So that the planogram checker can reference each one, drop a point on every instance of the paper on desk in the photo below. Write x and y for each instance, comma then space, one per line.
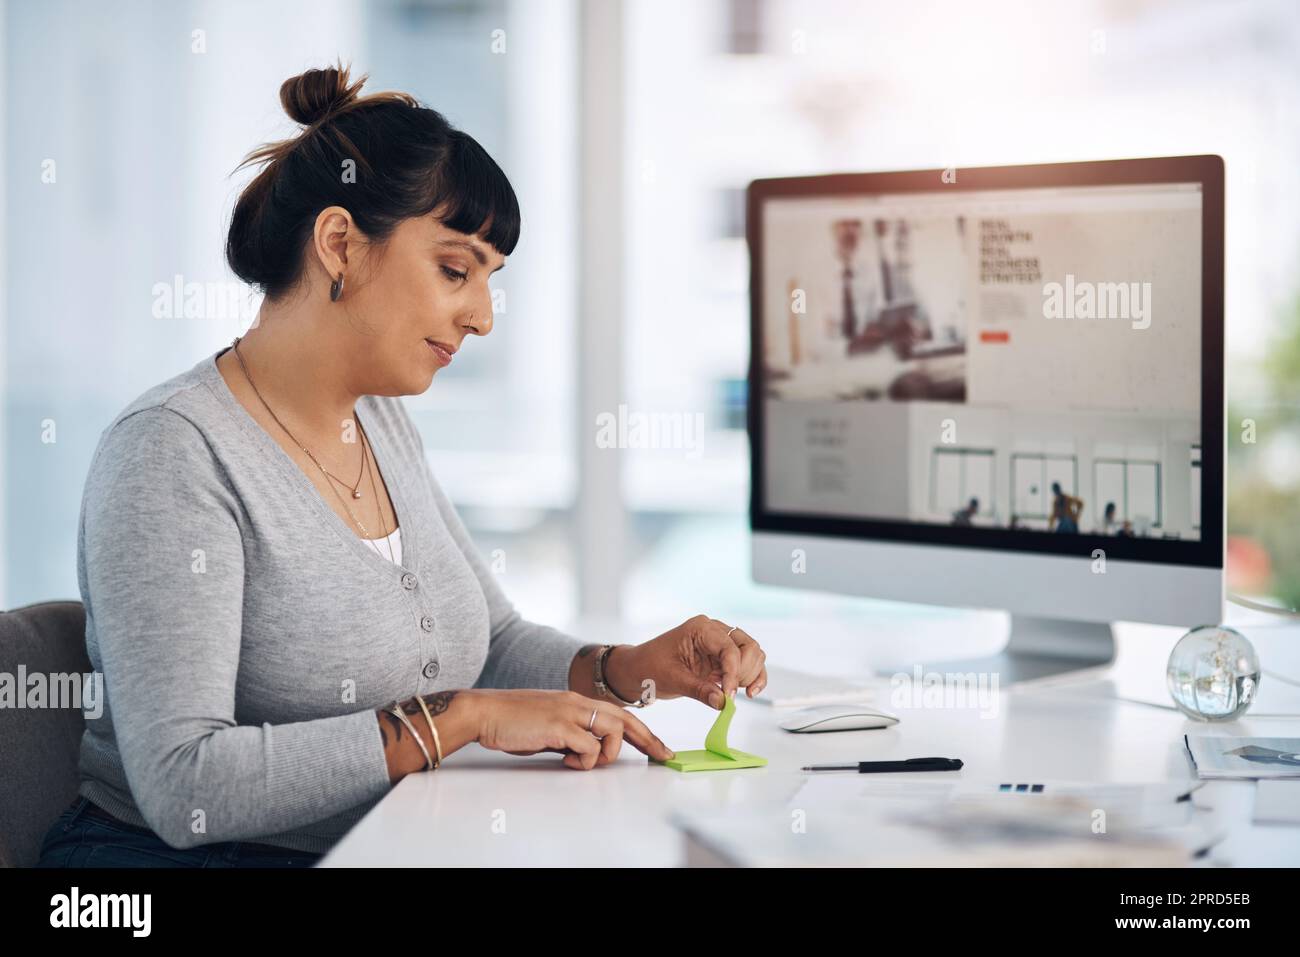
1223, 757
717, 755
895, 833
1277, 802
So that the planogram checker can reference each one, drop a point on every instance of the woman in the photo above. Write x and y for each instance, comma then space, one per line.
1109, 523
288, 612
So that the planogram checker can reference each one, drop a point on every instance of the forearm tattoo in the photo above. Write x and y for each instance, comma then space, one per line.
437, 702
386, 718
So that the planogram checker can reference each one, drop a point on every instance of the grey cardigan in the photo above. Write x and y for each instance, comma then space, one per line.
246, 634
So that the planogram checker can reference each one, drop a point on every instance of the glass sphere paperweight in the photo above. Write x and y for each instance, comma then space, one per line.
1213, 673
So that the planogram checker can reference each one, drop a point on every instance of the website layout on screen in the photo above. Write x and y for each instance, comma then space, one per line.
1026, 359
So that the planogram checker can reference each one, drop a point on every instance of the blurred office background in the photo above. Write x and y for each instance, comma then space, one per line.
630, 131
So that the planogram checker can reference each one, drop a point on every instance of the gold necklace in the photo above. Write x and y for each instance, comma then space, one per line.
355, 487
383, 521
365, 441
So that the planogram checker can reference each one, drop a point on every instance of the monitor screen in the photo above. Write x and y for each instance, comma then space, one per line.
1027, 361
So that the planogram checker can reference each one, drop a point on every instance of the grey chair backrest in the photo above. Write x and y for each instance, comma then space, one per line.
38, 746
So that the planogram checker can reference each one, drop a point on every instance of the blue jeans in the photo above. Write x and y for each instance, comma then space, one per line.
85, 835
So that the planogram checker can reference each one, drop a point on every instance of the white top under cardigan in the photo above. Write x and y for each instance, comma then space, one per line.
394, 541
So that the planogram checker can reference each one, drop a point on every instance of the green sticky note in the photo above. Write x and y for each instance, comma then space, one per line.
716, 756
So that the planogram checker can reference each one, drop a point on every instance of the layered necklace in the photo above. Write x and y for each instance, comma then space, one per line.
366, 457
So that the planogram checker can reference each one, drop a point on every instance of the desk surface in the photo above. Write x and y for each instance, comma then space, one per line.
485, 808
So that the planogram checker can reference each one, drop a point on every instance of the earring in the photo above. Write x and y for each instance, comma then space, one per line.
336, 288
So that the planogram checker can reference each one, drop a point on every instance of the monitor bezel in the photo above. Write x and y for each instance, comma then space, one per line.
1208, 551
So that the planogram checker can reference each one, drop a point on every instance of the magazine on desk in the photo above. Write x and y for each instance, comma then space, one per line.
1221, 757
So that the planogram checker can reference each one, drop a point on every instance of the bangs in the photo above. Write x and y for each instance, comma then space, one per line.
475, 192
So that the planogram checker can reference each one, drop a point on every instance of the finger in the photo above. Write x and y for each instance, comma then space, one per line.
585, 748
759, 683
728, 655
708, 691
641, 737
609, 730
752, 657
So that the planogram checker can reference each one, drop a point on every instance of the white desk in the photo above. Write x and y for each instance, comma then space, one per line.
485, 808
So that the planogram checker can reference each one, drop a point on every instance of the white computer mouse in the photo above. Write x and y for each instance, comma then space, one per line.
838, 717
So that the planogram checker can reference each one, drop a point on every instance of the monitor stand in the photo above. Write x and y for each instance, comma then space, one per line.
1039, 648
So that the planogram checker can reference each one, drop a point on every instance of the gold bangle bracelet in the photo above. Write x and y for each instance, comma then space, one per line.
396, 709
437, 744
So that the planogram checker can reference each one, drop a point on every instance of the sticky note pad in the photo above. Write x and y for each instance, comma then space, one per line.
716, 756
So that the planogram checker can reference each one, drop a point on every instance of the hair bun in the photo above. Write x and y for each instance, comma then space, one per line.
311, 96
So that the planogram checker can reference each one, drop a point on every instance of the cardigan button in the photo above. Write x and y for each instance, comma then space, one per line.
426, 623
409, 582
431, 669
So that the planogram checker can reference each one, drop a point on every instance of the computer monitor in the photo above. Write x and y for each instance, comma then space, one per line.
998, 387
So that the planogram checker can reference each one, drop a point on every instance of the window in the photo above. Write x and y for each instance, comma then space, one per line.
1032, 476
959, 475
1134, 487
499, 425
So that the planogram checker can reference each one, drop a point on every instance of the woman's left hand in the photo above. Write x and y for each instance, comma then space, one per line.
702, 658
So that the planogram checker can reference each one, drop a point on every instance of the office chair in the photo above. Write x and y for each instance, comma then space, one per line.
38, 746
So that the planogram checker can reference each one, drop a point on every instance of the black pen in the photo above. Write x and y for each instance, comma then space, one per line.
911, 764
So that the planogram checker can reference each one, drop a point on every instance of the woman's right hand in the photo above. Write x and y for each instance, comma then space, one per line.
522, 721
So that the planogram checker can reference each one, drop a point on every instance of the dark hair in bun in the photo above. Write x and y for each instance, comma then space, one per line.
312, 96
406, 161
